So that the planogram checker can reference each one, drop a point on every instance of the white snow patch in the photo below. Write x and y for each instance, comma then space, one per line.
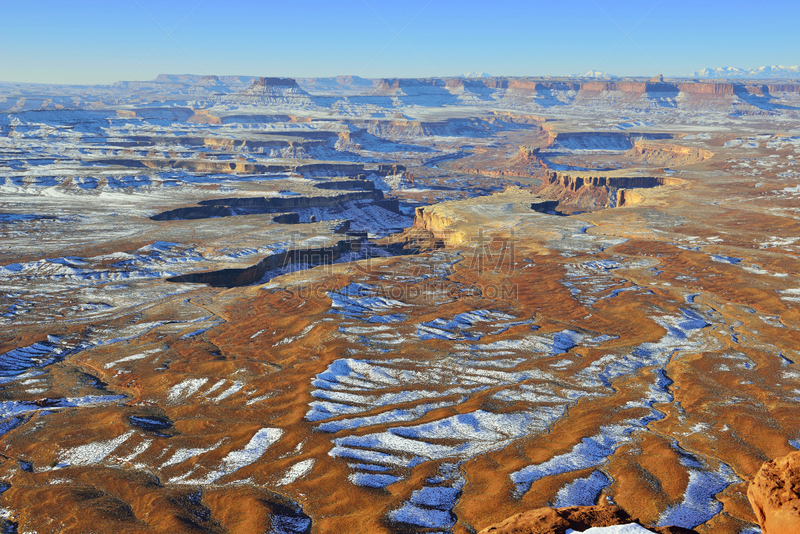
93, 453
298, 470
181, 455
185, 389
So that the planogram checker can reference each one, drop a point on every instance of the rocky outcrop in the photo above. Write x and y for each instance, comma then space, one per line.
527, 154
540, 86
388, 169
458, 221
597, 192
757, 90
577, 518
654, 86
667, 154
393, 182
574, 183
784, 88
437, 225
774, 495
272, 91
533, 87
627, 197
715, 89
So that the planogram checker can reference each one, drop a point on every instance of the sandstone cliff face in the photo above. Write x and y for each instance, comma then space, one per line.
774, 495
573, 183
528, 154
536, 86
660, 87
461, 221
627, 87
784, 88
208, 80
626, 197
757, 90
716, 89
597, 192
437, 225
667, 154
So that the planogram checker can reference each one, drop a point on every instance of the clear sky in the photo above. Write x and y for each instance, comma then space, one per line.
103, 41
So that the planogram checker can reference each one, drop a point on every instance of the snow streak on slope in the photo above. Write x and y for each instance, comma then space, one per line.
683, 333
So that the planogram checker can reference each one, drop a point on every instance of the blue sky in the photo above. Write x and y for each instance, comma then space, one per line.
92, 41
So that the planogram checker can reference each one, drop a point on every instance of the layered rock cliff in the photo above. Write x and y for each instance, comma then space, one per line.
273, 91
597, 192
438, 225
667, 154
630, 87
574, 183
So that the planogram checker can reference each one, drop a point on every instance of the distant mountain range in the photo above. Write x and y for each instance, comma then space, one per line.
774, 71
593, 74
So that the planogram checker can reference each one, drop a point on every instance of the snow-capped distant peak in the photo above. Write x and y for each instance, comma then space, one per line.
593, 74
773, 71
476, 75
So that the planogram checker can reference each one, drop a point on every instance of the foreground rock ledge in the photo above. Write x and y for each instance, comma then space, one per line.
578, 518
774, 495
